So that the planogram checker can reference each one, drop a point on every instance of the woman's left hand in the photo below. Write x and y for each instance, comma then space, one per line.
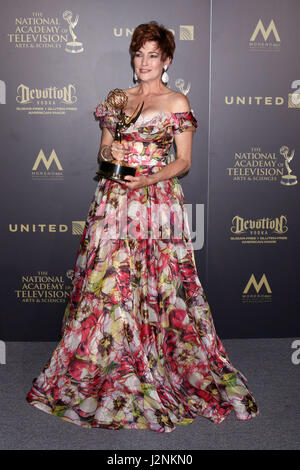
135, 182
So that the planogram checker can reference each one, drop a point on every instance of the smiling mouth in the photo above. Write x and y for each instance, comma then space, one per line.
144, 70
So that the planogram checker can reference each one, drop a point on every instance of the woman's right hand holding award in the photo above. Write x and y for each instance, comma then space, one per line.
112, 155
114, 152
119, 150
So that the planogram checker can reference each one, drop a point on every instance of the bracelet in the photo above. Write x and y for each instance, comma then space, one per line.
106, 154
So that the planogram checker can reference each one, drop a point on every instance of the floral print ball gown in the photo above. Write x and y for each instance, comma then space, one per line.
138, 347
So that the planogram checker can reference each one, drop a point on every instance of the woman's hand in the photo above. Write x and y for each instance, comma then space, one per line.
136, 182
119, 150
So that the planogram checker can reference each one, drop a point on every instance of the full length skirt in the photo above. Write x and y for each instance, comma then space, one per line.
138, 347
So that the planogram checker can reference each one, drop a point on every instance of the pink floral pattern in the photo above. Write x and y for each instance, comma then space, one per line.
138, 347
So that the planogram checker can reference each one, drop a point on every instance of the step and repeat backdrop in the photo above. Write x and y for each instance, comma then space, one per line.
238, 63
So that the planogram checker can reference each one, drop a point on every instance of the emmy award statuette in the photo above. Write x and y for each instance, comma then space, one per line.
289, 179
114, 169
73, 46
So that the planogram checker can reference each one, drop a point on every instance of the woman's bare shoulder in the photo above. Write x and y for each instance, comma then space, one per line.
179, 103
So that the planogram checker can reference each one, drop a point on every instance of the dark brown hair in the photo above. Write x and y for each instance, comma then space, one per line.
153, 32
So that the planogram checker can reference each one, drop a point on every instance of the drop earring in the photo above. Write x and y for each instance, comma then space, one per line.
165, 76
135, 77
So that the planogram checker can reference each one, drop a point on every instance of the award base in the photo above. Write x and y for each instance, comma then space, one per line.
74, 47
115, 171
289, 180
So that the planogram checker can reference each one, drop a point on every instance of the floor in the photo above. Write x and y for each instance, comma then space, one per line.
267, 363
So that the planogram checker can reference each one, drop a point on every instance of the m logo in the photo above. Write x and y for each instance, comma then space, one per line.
260, 27
2, 92
47, 163
257, 287
186, 33
78, 227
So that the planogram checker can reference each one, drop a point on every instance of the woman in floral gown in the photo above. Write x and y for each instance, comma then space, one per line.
138, 346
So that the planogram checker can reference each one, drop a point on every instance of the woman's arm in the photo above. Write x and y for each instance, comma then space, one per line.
117, 149
106, 139
184, 142
183, 160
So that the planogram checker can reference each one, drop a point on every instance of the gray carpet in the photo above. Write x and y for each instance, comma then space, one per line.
267, 364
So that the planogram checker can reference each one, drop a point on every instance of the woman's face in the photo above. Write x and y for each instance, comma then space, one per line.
148, 63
